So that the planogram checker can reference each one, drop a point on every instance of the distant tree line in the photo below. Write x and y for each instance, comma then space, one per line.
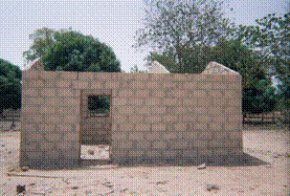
10, 86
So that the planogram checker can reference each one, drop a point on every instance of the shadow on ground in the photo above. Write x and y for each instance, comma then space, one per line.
229, 161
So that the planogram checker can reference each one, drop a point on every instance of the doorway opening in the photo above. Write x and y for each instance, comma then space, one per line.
96, 134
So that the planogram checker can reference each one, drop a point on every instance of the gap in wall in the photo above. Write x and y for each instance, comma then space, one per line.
96, 131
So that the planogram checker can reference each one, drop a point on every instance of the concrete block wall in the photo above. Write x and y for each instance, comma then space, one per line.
154, 117
51, 120
176, 117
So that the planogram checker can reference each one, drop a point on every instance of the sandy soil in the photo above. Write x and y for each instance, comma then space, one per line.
270, 177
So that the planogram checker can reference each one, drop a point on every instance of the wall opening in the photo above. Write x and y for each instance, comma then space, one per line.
98, 106
96, 134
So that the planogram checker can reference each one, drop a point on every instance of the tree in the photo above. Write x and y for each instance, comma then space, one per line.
271, 39
259, 98
69, 50
10, 86
135, 69
176, 25
42, 40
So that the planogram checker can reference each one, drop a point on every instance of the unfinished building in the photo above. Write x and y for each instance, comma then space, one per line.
151, 117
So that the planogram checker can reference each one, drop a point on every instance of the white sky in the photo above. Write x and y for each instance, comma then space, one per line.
111, 21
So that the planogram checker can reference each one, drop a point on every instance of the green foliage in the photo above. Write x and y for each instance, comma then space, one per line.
10, 86
271, 39
99, 104
42, 40
174, 26
67, 50
260, 98
135, 69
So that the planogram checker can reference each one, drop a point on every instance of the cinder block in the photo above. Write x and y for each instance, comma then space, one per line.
125, 93
143, 110
143, 127
65, 92
159, 93
232, 127
152, 136
136, 136
136, 153
80, 84
53, 137
53, 119
121, 119
118, 136
152, 102
169, 102
142, 93
87, 76
158, 127
34, 137
48, 92
34, 155
119, 154
152, 119
31, 75
166, 136
189, 101
153, 84
199, 126
97, 85
65, 75
120, 101
122, 144
189, 118
191, 153
203, 119
63, 83
190, 85
170, 154
205, 136
143, 144
130, 110
180, 127
33, 118
216, 126
159, 145
191, 136
47, 110
150, 153
71, 137
170, 118
31, 92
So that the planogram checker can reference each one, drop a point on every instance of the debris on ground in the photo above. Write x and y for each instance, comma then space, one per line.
20, 189
24, 168
201, 166
212, 187
74, 187
108, 184
161, 182
124, 190
91, 152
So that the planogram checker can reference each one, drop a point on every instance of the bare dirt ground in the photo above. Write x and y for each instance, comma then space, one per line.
271, 178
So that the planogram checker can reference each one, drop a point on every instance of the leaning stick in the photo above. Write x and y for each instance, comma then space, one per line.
35, 176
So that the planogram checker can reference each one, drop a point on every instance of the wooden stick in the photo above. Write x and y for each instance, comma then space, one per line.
35, 176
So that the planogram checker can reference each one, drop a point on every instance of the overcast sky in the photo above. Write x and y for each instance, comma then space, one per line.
111, 21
